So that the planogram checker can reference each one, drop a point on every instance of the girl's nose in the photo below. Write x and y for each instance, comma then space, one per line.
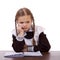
24, 24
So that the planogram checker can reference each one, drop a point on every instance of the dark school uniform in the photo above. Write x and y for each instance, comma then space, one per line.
42, 43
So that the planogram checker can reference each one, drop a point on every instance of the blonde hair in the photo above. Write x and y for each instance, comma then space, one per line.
23, 12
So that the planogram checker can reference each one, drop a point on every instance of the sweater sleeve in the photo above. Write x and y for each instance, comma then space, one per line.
17, 45
43, 43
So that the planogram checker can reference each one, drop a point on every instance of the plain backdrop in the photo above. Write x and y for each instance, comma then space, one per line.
46, 14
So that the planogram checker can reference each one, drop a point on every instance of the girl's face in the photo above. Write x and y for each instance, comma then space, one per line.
24, 22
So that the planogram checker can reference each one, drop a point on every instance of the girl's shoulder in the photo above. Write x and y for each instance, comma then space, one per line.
39, 29
13, 32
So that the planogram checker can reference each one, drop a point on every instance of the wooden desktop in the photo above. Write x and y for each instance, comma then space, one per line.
52, 55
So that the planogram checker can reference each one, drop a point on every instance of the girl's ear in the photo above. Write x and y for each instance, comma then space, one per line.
32, 22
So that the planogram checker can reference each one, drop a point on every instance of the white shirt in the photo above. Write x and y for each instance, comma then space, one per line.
38, 30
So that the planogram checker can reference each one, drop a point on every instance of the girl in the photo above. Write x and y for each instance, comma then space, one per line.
27, 36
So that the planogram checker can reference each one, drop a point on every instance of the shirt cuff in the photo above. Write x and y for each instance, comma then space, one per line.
20, 38
30, 48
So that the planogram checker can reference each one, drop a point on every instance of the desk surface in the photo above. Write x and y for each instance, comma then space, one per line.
52, 55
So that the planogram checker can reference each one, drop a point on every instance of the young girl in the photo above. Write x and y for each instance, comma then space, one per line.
26, 36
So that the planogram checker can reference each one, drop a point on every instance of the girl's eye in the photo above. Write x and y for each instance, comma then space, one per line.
21, 22
27, 22
24, 22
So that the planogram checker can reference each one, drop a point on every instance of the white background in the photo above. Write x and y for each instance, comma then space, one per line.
46, 14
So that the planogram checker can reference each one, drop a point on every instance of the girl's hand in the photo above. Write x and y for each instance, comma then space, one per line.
25, 48
20, 30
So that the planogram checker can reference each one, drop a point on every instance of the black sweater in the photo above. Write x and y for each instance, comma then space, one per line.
43, 43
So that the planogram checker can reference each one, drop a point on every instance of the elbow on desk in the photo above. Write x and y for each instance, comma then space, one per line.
45, 49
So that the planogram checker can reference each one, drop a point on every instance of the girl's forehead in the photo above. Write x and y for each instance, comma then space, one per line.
24, 18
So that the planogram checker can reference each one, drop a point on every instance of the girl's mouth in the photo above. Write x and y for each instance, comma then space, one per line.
24, 28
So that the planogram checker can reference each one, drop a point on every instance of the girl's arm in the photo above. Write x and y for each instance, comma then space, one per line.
43, 43
18, 46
